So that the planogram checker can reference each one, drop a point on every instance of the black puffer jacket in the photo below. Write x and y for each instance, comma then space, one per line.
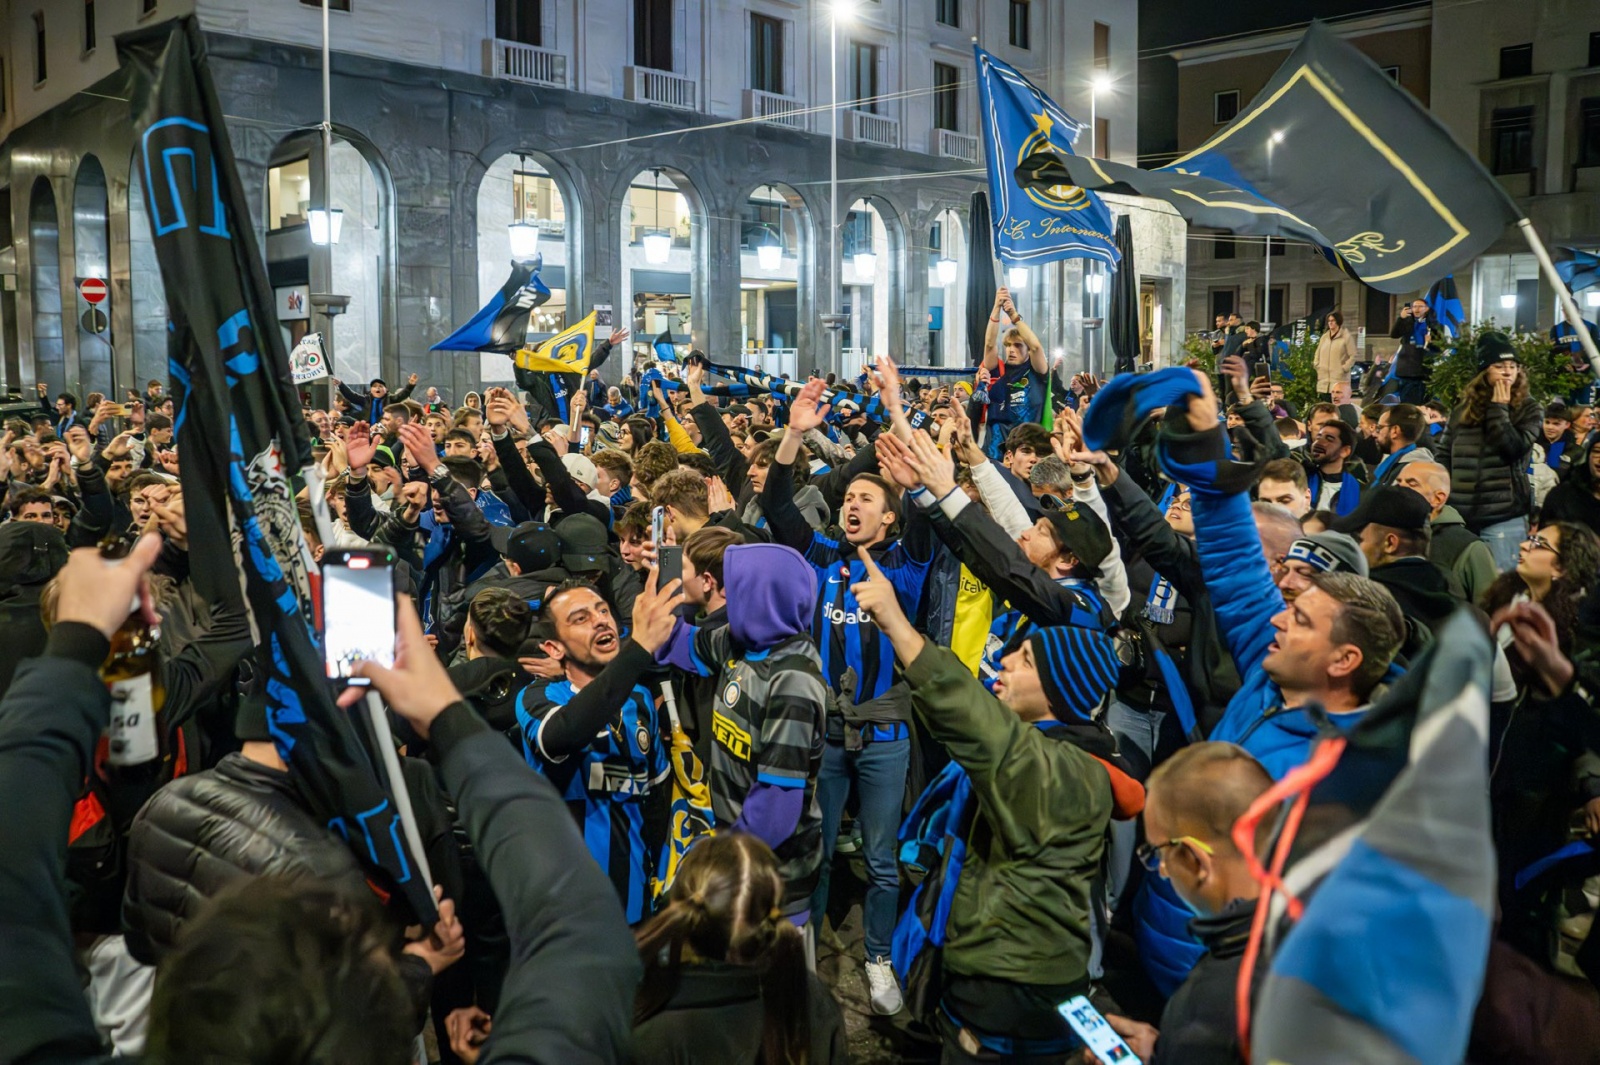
201, 833
1488, 462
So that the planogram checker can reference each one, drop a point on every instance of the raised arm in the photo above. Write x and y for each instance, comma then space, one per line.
1232, 564
562, 731
788, 525
503, 414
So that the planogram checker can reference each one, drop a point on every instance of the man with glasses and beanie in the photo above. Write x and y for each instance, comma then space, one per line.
1191, 802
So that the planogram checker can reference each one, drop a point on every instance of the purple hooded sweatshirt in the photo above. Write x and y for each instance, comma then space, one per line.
772, 593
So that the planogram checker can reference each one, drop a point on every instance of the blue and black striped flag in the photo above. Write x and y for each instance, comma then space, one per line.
1420, 207
242, 438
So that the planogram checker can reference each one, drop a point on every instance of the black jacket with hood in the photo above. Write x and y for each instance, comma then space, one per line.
1488, 462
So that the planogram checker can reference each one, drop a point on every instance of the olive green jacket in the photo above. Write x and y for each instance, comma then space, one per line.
1021, 907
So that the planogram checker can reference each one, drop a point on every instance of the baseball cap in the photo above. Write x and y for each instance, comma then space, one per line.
1328, 552
585, 547
533, 545
1387, 504
580, 467
1081, 531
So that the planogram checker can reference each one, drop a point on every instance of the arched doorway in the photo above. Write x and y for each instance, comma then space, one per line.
869, 245
661, 225
363, 344
148, 291
774, 261
947, 290
519, 188
44, 256
91, 250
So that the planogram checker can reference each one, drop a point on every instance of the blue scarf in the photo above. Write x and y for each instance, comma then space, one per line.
1349, 493
1389, 460
1552, 455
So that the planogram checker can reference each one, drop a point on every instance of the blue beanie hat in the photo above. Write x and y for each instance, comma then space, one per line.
1077, 667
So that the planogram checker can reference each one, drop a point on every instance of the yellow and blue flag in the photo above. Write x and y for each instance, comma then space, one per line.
569, 351
1035, 224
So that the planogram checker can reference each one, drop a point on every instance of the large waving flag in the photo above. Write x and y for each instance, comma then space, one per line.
1386, 962
1039, 223
502, 323
242, 437
568, 352
1403, 205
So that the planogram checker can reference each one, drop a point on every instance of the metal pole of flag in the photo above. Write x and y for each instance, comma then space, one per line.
1568, 304
384, 739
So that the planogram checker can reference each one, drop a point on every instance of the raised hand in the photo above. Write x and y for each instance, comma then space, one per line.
412, 380
935, 469
654, 611
618, 336
419, 446
876, 596
718, 497
807, 412
1238, 374
413, 498
1533, 635
1203, 411
358, 447
894, 461
417, 687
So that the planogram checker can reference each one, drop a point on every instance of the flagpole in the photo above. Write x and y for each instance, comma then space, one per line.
1568, 304
384, 739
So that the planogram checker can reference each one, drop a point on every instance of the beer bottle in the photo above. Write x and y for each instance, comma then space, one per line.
132, 673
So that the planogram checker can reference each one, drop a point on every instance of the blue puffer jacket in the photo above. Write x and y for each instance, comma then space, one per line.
1245, 601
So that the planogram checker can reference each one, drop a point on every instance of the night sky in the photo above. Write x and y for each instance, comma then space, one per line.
1170, 23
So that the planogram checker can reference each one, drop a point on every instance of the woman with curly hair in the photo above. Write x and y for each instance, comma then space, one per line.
1556, 567
725, 972
1486, 446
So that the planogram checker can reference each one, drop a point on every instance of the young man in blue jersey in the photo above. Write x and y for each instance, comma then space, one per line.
869, 740
594, 732
1017, 369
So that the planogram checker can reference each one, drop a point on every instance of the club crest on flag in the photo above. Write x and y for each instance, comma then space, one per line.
1034, 223
569, 351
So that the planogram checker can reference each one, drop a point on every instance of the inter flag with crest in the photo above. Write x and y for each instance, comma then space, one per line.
1331, 152
1034, 223
242, 438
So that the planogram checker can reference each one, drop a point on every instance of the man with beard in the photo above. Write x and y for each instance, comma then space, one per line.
594, 732
1334, 478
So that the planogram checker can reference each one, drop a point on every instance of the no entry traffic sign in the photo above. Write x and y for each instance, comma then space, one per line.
93, 290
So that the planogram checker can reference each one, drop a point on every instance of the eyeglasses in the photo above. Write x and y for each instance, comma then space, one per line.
1542, 544
1149, 854
1180, 503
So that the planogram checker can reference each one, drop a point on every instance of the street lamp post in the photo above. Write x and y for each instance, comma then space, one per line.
1101, 82
327, 301
835, 319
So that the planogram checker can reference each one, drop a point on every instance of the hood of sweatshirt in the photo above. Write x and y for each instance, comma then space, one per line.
771, 592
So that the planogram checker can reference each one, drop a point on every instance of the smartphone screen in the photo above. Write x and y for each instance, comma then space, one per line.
1096, 1034
357, 611
583, 438
658, 526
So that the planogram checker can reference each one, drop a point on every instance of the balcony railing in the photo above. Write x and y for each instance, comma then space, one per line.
952, 145
771, 107
868, 128
524, 62
660, 87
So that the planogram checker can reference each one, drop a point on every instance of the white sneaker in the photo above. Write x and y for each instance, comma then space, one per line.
882, 988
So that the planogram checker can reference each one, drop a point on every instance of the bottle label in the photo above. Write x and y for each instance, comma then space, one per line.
132, 734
